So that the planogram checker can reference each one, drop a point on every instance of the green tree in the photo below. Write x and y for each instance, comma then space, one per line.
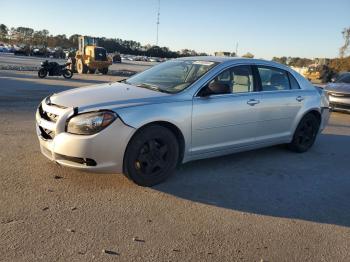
248, 55
24, 34
281, 60
3, 32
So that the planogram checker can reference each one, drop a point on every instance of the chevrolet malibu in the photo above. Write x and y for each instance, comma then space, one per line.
181, 110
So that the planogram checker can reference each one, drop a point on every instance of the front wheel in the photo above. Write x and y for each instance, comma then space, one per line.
67, 73
151, 156
305, 134
42, 73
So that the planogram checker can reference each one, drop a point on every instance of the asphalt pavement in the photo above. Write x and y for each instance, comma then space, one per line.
262, 205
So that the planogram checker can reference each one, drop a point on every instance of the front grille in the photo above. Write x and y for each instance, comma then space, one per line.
339, 94
47, 116
338, 106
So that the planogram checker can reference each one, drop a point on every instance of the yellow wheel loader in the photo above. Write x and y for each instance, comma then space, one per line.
90, 57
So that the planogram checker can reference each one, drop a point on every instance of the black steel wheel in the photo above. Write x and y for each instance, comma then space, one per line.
151, 156
305, 134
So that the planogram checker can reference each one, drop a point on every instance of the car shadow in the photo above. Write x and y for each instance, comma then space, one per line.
313, 186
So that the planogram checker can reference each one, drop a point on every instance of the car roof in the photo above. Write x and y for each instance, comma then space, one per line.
223, 59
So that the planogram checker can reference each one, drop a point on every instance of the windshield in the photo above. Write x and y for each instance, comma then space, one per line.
172, 76
345, 78
100, 54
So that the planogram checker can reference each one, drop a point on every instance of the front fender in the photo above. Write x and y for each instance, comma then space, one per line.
178, 113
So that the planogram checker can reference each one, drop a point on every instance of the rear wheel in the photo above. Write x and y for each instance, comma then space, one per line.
151, 156
305, 134
67, 73
42, 73
103, 71
92, 70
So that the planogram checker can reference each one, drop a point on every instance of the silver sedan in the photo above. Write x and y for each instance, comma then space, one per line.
178, 111
339, 93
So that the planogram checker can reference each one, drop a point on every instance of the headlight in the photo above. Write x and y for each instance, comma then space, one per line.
90, 123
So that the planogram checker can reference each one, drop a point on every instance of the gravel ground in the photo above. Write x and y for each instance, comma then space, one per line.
262, 205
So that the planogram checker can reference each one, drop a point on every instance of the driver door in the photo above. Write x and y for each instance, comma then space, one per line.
224, 121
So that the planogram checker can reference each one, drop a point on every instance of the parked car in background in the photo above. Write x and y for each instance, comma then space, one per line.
22, 51
339, 93
154, 59
116, 58
178, 111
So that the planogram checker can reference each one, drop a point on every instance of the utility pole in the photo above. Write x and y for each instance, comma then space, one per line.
158, 20
237, 49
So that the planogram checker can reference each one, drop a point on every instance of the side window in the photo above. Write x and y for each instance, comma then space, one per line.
293, 82
238, 79
273, 79
242, 77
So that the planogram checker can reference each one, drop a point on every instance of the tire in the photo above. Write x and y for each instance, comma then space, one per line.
81, 68
91, 70
305, 134
67, 74
42, 73
103, 71
151, 156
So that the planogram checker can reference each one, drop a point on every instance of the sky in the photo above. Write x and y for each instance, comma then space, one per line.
265, 28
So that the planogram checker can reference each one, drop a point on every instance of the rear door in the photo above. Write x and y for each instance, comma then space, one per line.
227, 120
280, 101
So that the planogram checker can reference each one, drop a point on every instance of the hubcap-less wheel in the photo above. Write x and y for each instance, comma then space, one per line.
151, 156
305, 134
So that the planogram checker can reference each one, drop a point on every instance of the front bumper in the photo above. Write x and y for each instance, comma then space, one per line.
101, 152
339, 102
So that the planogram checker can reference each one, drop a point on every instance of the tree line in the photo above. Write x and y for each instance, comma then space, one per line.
25, 36
338, 65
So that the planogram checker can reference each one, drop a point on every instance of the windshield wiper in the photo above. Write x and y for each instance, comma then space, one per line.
124, 81
152, 87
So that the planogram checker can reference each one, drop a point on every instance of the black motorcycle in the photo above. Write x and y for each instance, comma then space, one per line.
54, 69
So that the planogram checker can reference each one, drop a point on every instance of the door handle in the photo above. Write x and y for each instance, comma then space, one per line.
253, 102
299, 98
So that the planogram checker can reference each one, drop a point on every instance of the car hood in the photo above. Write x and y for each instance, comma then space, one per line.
113, 95
338, 88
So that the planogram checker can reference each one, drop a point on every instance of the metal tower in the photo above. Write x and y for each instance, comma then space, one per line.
158, 20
